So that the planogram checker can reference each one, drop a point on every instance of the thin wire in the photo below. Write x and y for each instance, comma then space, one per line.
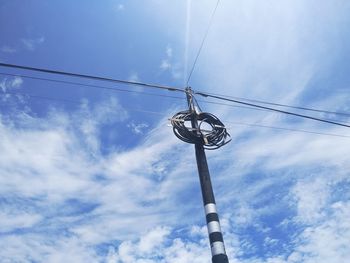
248, 108
203, 41
162, 114
273, 109
128, 91
39, 97
283, 105
286, 129
187, 39
91, 77
231, 105
90, 85
121, 90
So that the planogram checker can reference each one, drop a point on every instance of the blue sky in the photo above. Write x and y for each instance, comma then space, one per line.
98, 176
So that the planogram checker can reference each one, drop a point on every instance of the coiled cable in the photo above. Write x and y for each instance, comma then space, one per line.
211, 139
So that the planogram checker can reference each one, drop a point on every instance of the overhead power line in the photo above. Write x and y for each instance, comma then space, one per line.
133, 91
120, 90
203, 41
153, 86
283, 105
250, 108
64, 73
285, 129
150, 85
48, 98
40, 97
273, 109
90, 85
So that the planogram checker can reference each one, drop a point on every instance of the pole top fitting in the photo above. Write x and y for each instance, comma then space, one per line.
189, 90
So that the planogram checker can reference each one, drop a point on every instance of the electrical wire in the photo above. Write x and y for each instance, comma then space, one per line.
283, 105
249, 108
91, 77
231, 105
163, 87
120, 90
286, 129
273, 109
39, 97
90, 85
203, 41
150, 85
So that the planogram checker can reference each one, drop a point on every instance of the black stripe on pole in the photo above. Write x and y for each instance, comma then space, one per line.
215, 237
221, 258
212, 217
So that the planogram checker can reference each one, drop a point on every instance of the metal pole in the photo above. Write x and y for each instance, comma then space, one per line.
214, 230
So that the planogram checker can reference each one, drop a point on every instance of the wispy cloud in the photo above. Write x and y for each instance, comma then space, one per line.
8, 49
169, 52
133, 77
51, 170
49, 166
138, 128
165, 65
119, 7
32, 43
11, 84
169, 64
157, 246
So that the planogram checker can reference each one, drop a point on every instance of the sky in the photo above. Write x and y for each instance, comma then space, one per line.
94, 175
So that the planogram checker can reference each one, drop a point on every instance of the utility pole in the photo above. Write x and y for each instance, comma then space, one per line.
213, 224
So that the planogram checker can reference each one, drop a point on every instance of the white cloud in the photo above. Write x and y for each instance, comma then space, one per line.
138, 128
165, 65
8, 49
33, 247
153, 239
134, 76
90, 118
169, 52
326, 241
170, 64
311, 200
120, 7
49, 161
48, 164
10, 84
16, 82
158, 249
32, 43
12, 220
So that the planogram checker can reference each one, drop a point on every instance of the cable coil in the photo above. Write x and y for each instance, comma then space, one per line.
211, 139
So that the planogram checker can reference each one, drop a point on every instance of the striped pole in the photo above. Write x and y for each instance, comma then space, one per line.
213, 224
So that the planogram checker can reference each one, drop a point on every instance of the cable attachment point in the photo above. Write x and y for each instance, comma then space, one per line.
211, 132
